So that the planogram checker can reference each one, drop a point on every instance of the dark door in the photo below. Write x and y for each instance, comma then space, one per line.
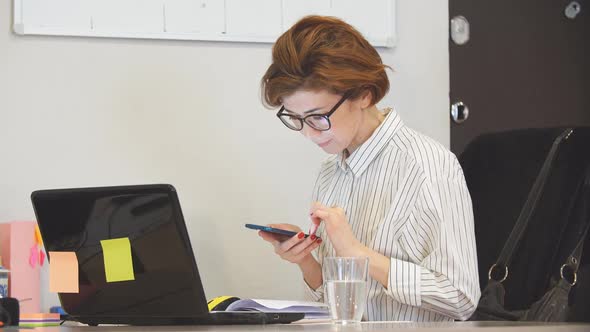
526, 64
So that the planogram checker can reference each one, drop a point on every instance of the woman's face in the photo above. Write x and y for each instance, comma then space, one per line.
344, 121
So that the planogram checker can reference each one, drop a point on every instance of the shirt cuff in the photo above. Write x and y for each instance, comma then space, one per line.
404, 281
316, 295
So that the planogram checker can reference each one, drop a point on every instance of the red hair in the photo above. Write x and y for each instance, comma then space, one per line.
323, 53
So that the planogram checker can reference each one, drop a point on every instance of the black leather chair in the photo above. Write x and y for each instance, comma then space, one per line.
500, 169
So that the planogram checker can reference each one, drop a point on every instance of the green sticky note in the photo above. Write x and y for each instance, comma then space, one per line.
118, 264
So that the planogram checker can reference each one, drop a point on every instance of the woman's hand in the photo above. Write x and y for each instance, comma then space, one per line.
346, 244
296, 249
338, 229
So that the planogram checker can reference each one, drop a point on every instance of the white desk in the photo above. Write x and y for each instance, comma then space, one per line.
366, 326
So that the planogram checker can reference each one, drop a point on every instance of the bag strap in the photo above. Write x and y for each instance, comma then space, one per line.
573, 261
511, 244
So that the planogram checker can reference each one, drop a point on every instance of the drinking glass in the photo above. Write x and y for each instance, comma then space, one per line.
345, 285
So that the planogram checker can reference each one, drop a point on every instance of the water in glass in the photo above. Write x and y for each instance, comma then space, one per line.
347, 300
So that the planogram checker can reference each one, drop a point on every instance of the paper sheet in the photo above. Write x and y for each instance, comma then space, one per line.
312, 310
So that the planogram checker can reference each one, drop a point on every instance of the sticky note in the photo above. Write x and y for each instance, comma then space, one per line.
63, 272
118, 264
38, 238
41, 257
39, 319
33, 256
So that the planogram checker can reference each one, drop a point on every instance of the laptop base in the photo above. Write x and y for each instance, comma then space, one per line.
214, 318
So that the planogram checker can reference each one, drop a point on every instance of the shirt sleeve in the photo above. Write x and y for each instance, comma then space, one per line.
438, 237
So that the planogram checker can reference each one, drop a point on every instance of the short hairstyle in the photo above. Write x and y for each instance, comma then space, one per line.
323, 53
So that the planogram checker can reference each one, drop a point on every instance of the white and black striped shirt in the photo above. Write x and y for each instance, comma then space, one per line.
405, 197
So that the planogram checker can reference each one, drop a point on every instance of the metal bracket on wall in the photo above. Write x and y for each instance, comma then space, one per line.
572, 10
459, 30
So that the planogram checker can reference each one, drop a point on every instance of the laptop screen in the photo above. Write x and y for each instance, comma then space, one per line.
165, 280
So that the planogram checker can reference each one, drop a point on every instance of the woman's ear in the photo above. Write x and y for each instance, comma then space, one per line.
366, 99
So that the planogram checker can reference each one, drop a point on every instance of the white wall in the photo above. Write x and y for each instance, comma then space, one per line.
85, 112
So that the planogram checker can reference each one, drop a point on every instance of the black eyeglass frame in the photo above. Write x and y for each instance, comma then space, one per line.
323, 115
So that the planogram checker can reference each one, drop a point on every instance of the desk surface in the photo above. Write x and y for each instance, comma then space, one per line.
365, 326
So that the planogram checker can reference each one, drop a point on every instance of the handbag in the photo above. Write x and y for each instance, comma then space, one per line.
553, 305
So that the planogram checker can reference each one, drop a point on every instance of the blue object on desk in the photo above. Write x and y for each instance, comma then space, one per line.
57, 310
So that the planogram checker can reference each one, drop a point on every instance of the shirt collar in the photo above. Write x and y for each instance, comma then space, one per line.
362, 157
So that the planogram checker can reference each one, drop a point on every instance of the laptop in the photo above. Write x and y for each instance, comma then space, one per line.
166, 289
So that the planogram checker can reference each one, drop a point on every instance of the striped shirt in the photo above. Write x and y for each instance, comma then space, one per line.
405, 197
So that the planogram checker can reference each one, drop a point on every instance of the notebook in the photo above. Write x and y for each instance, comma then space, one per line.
133, 256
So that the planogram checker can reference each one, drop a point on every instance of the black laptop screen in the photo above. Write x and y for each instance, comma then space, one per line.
166, 280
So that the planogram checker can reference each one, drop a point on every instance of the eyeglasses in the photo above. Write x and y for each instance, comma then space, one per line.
319, 122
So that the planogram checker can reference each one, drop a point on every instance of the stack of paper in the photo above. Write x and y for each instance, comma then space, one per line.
311, 309
38, 320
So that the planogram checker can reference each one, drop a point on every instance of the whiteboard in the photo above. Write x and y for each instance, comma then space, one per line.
210, 20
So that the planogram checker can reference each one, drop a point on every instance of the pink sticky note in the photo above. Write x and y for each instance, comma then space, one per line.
41, 257
33, 256
63, 272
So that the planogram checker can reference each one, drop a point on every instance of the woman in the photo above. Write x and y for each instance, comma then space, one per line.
386, 191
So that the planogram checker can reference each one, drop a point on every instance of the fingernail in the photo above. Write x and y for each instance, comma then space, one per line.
319, 240
300, 235
313, 237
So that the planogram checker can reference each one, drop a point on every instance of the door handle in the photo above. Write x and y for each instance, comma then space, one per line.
459, 112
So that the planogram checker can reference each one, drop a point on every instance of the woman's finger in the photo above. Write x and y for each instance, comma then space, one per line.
315, 224
321, 214
300, 247
288, 244
308, 250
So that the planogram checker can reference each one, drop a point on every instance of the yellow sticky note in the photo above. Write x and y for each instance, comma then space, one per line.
118, 264
38, 238
63, 272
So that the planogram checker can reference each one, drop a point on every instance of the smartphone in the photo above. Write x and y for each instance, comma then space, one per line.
272, 230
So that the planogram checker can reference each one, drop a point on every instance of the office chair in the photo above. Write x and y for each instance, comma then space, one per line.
500, 169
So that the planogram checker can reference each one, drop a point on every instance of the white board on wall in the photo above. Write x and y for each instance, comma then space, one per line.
212, 20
